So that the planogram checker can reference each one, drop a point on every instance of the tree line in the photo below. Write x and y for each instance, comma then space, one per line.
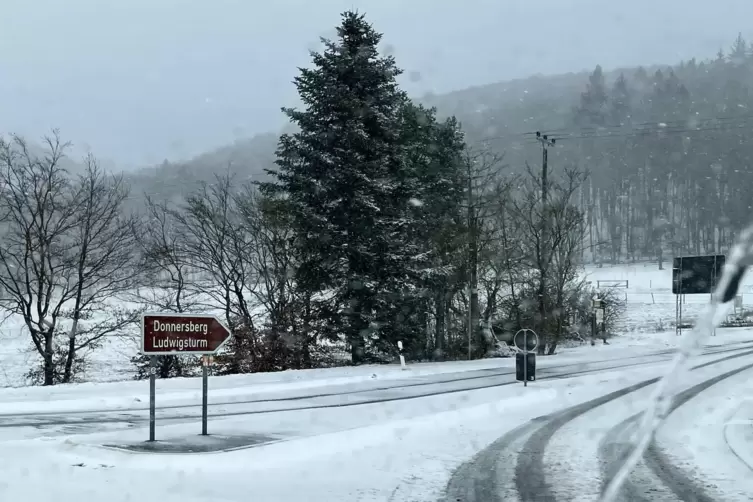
379, 224
668, 154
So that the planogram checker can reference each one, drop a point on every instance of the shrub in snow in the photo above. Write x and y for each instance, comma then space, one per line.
167, 366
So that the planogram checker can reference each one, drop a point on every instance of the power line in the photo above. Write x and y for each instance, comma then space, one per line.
660, 131
720, 123
647, 125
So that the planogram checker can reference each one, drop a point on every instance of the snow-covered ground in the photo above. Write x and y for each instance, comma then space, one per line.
395, 450
178, 391
651, 304
379, 433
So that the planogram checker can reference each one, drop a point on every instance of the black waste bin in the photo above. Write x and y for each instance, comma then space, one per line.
530, 369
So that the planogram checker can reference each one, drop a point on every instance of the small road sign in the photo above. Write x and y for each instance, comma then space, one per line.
166, 334
525, 364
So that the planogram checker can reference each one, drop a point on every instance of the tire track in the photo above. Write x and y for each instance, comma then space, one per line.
480, 478
612, 450
676, 479
127, 417
489, 373
733, 450
56, 419
616, 446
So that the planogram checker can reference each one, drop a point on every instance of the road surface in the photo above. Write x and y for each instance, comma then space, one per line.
564, 454
519, 466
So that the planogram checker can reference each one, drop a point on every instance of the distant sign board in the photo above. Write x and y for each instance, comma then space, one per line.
172, 334
693, 275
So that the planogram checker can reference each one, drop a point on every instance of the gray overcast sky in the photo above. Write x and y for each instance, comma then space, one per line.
138, 81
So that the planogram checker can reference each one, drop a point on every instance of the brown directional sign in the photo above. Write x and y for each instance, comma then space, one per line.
164, 334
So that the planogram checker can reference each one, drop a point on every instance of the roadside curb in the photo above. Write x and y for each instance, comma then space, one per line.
126, 450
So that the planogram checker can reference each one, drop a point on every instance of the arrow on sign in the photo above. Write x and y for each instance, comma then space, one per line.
165, 334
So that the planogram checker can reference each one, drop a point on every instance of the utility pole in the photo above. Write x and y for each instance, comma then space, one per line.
472, 257
546, 143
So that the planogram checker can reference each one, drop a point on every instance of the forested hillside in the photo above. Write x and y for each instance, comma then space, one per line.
668, 153
667, 148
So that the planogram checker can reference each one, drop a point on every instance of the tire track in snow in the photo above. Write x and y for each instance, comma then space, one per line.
528, 472
657, 465
80, 418
733, 450
683, 485
479, 481
613, 448
646, 359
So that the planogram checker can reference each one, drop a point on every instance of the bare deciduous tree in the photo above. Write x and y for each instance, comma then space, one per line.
107, 263
67, 252
502, 253
217, 244
568, 240
169, 275
212, 238
554, 253
267, 225
169, 283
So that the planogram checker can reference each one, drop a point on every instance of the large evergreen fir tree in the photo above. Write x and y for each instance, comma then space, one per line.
620, 105
593, 102
343, 175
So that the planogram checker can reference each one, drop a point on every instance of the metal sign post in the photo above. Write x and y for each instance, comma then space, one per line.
181, 334
152, 396
206, 361
204, 398
525, 349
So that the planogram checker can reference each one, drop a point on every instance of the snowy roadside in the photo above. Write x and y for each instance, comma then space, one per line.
398, 460
187, 391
